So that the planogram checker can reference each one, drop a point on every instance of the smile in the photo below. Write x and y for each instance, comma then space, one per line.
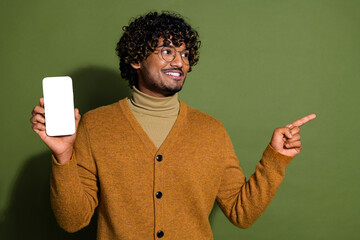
175, 74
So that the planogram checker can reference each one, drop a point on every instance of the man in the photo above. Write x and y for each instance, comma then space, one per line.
153, 165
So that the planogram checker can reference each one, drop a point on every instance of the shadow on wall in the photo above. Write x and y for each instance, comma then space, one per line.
213, 213
29, 215
95, 87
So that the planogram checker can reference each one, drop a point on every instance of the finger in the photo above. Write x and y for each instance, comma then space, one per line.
287, 132
33, 112
295, 130
77, 113
284, 132
295, 138
77, 117
296, 144
38, 127
38, 118
38, 110
41, 102
302, 121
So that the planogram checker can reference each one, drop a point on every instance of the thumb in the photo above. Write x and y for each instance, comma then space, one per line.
281, 132
287, 132
77, 117
279, 137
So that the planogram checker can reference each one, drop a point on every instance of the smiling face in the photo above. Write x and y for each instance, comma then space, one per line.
159, 78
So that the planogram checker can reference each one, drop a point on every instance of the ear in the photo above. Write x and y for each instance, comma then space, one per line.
136, 66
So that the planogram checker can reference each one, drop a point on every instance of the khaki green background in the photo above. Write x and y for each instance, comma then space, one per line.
263, 65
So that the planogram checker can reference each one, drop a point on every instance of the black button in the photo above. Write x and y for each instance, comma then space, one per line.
159, 195
159, 158
160, 234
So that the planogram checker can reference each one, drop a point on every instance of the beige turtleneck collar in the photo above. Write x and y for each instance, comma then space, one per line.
155, 115
154, 106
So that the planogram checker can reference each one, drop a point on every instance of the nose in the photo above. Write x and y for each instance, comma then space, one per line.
177, 62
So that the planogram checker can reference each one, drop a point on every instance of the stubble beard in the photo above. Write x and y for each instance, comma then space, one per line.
167, 90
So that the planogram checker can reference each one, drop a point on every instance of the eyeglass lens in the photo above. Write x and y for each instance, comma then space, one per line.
169, 54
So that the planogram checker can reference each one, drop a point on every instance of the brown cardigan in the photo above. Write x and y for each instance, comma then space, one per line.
116, 167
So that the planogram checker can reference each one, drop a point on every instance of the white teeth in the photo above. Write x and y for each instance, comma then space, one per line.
173, 74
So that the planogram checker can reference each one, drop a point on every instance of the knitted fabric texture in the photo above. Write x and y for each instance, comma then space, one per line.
116, 167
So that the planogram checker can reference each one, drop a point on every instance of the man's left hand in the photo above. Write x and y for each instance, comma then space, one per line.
286, 140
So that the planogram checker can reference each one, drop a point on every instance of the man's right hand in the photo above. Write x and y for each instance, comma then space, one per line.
61, 146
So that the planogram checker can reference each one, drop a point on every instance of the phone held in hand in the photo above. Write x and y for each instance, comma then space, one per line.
59, 106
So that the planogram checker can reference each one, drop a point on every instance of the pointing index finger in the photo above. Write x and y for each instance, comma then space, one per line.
302, 121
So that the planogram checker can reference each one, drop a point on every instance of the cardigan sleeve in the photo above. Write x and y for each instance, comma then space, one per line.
243, 201
74, 185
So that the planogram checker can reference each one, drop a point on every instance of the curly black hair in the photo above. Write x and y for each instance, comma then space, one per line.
141, 37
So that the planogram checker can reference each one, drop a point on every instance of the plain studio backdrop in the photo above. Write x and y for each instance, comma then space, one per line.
263, 64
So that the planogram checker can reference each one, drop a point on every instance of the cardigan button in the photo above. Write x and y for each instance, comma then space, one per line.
160, 234
159, 195
159, 158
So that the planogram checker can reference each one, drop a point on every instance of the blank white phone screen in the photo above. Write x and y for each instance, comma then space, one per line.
59, 106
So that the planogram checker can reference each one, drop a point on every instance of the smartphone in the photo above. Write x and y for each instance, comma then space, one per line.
59, 106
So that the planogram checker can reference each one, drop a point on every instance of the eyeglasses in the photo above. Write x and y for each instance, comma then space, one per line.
168, 53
